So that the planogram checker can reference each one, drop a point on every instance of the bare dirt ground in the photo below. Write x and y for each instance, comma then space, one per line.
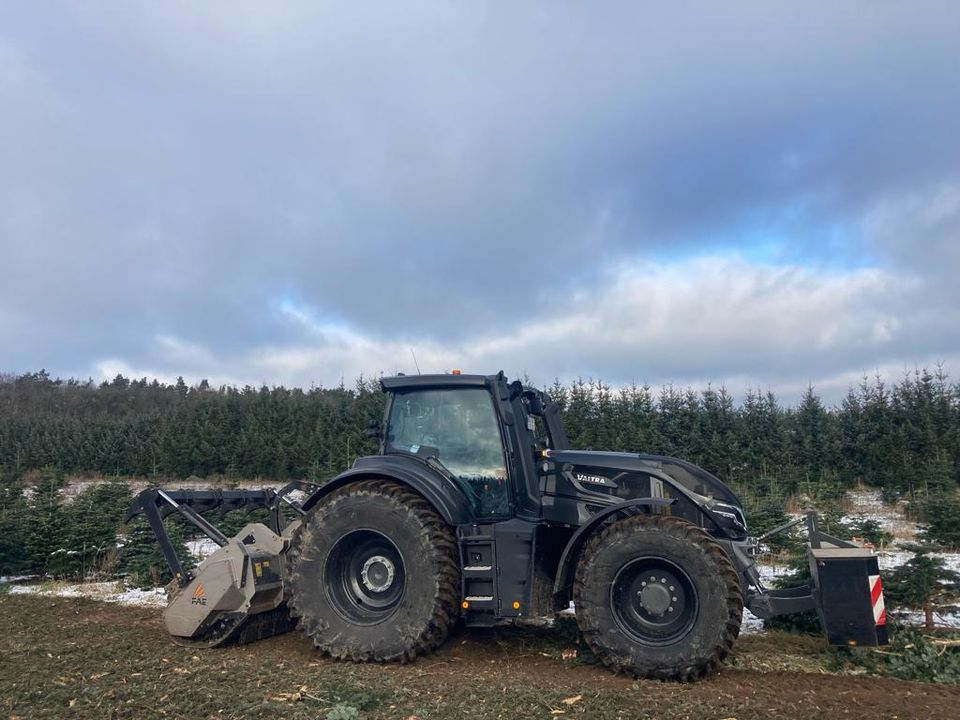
77, 658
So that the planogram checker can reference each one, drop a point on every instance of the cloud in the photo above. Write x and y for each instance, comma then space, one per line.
708, 319
759, 191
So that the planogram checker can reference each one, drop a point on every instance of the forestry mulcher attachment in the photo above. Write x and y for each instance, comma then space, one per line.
475, 508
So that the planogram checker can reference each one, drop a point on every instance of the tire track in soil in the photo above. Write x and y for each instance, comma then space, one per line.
483, 666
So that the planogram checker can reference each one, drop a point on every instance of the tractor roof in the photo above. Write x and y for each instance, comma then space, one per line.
411, 382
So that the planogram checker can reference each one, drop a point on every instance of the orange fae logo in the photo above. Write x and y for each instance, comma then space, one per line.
199, 596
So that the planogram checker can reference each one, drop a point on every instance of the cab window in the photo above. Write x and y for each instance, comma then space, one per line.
460, 427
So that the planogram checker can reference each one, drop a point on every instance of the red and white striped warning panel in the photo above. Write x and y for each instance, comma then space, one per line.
876, 599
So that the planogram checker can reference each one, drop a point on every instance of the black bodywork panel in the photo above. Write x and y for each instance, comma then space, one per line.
847, 593
438, 488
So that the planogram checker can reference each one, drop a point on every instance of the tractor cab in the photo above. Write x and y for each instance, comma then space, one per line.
504, 446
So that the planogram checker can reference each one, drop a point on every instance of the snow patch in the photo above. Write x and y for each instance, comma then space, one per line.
869, 505
892, 559
202, 547
751, 624
940, 620
105, 592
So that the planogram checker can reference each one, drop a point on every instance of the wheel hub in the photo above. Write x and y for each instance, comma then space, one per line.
655, 599
377, 573
364, 576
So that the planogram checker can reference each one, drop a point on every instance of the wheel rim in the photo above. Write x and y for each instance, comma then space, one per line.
653, 600
364, 576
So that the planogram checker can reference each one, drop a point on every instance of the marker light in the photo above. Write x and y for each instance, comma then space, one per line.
464, 604
454, 372
516, 604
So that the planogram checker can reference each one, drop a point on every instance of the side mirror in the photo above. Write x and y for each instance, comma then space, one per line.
533, 402
373, 429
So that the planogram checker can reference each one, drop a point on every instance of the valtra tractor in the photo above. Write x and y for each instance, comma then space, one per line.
476, 509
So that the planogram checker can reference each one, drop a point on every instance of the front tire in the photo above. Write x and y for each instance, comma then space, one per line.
373, 574
657, 597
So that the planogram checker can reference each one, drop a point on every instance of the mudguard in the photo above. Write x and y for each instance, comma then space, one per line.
440, 490
571, 552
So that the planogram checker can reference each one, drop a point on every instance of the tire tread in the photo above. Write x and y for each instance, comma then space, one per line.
591, 625
445, 608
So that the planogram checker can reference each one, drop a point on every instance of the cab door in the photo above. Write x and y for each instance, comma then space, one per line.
459, 426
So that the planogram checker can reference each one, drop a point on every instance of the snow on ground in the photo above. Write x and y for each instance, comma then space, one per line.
113, 592
869, 505
768, 573
890, 559
202, 547
944, 620
750, 624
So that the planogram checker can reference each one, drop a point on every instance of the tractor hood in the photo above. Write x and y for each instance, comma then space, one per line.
693, 478
627, 476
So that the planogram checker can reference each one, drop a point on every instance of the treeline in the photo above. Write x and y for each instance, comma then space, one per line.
135, 427
903, 437
41, 533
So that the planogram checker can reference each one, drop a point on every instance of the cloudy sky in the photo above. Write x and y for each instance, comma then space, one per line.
739, 193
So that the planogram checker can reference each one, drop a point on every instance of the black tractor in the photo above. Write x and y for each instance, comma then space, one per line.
476, 509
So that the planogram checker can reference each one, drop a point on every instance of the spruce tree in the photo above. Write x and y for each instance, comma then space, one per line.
46, 543
139, 560
942, 513
13, 520
924, 582
93, 521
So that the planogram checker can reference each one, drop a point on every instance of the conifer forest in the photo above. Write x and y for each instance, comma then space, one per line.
901, 435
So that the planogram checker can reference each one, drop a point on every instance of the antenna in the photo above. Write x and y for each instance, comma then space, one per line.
415, 360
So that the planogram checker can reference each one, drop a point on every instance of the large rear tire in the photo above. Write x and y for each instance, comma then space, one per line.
657, 597
373, 574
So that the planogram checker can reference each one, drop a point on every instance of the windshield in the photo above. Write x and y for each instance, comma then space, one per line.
460, 428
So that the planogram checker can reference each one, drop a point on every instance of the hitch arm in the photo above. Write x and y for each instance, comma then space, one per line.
155, 504
145, 503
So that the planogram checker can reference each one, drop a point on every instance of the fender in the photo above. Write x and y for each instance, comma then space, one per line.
441, 491
572, 550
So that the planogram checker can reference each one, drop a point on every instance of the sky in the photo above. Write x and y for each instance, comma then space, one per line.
747, 194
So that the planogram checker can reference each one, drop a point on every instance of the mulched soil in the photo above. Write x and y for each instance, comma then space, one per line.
74, 658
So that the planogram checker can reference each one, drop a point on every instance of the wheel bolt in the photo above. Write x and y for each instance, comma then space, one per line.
674, 599
671, 588
670, 609
663, 580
